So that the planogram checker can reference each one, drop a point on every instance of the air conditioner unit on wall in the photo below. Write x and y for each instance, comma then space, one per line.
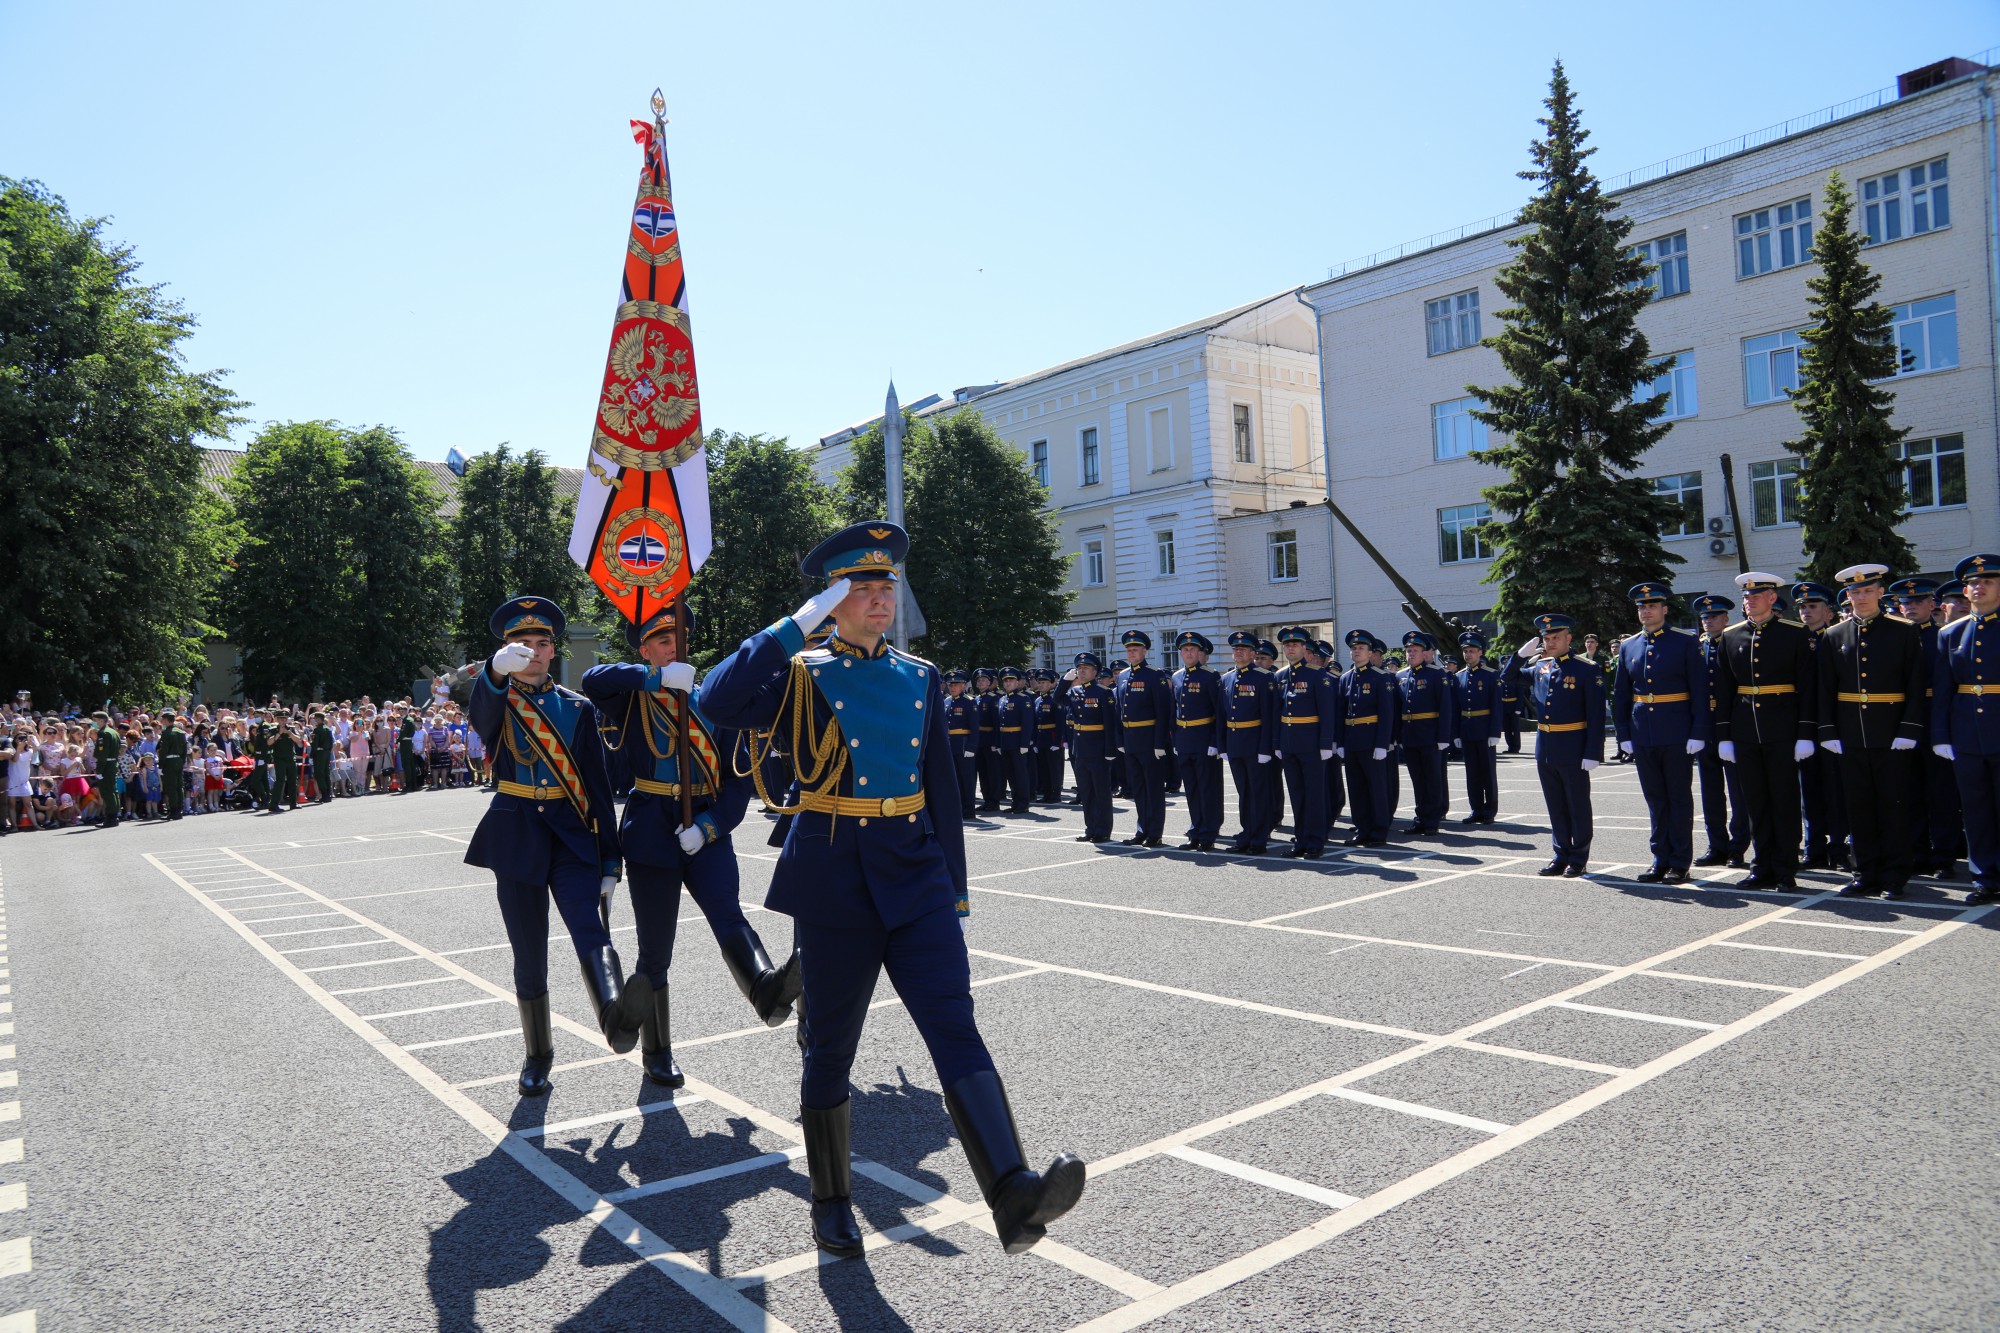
1724, 545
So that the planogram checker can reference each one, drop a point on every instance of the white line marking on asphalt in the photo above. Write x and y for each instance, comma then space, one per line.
434, 1008
1257, 1175
950, 1214
394, 985
253, 897
10, 1078
1345, 947
1541, 1057
723, 1172
10, 1110
1633, 1013
1522, 971
1849, 925
379, 962
403, 893
459, 1041
1518, 934
14, 1256
1422, 1112
316, 930
1776, 948
14, 1197
322, 948
1386, 893
673, 1103
269, 920
1720, 981
11, 1151
363, 860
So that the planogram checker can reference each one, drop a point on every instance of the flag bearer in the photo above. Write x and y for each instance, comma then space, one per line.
1659, 711
1568, 695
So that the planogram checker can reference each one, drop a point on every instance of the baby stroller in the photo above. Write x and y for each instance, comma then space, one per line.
236, 793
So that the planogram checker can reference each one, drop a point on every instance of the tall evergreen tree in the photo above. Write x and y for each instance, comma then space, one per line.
401, 576
289, 592
1574, 529
510, 536
113, 546
1851, 494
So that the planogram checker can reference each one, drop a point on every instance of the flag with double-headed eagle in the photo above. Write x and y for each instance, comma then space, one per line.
642, 526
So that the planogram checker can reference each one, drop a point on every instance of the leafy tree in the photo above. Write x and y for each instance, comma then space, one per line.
288, 590
401, 578
1851, 494
510, 536
1578, 528
113, 546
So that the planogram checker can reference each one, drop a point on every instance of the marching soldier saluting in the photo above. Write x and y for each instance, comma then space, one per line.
1367, 728
1430, 721
961, 718
1091, 717
1871, 675
1965, 716
1660, 713
1766, 715
1199, 712
875, 880
1722, 817
1568, 694
1937, 825
549, 832
1308, 733
1477, 698
1819, 776
1145, 715
1250, 698
648, 705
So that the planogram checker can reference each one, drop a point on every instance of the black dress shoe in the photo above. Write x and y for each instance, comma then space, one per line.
1136, 840
1817, 861
1083, 837
1895, 891
1253, 849
1572, 872
1674, 876
1981, 897
1373, 842
1737, 861
1415, 830
1651, 875
1552, 868
1153, 842
1190, 846
1712, 858
1856, 888
1352, 840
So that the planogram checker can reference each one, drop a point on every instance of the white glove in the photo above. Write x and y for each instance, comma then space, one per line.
1212, 752
1726, 751
1532, 648
606, 885
677, 676
1263, 758
1589, 764
1943, 752
1626, 746
1900, 743
1696, 747
1493, 742
1340, 750
814, 612
692, 838
970, 755
1444, 745
512, 657
1801, 751
1328, 754
1831, 747
964, 925
1381, 754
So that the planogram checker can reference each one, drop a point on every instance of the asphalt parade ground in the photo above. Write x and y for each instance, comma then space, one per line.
263, 1079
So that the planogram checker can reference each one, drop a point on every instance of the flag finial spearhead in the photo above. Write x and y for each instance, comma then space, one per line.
659, 105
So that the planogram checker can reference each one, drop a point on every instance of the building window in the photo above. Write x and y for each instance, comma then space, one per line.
1774, 238
1093, 562
1903, 203
1038, 459
1934, 471
1462, 534
1771, 367
1097, 646
1163, 547
1452, 322
1774, 494
1159, 439
1668, 256
1167, 637
1455, 432
1048, 653
1926, 334
1239, 415
1086, 453
1684, 488
1675, 383
1284, 549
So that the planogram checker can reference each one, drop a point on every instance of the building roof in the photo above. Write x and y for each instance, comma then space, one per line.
218, 465
1204, 325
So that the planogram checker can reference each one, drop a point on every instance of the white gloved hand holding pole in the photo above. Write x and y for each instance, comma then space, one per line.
512, 657
813, 613
692, 838
677, 676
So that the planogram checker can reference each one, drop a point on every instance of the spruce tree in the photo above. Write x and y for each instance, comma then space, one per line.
1851, 494
1573, 528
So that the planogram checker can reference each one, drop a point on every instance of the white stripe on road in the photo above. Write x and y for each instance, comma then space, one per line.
1633, 1013
1775, 948
1423, 1112
673, 1103
1256, 1175
460, 1041
722, 1172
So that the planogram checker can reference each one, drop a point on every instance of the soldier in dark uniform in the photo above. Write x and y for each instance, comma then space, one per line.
1965, 717
1199, 714
1766, 714
407, 758
1250, 741
1308, 734
320, 746
256, 744
1953, 604
961, 716
992, 767
1014, 715
1660, 713
1819, 777
1320, 653
874, 878
284, 767
1871, 674
1568, 695
1090, 716
1429, 709
1367, 729
1722, 814
1048, 736
173, 754
550, 831
1145, 717
1937, 824
1477, 699
1510, 717
104, 753
647, 707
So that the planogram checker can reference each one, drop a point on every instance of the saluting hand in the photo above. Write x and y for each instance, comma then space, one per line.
512, 657
1532, 648
818, 607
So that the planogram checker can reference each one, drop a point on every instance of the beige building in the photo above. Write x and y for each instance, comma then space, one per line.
1730, 234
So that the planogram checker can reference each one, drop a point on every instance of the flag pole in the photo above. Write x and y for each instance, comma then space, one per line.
682, 725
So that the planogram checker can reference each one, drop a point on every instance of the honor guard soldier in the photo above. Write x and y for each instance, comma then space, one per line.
1819, 777
1722, 816
653, 714
1510, 715
284, 768
105, 750
1367, 729
1660, 714
1048, 737
1268, 660
1014, 715
1477, 698
173, 754
1199, 714
550, 831
961, 724
1145, 718
873, 874
407, 758
1090, 715
1937, 825
1429, 707
992, 767
1250, 741
320, 747
1308, 734
1965, 716
1320, 653
1766, 715
1953, 604
1871, 674
1568, 696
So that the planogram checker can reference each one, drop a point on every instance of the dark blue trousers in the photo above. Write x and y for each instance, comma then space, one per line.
1723, 817
1825, 805
1020, 766
524, 906
1305, 778
927, 964
711, 880
1093, 788
1392, 786
1368, 792
1201, 781
1252, 795
1666, 779
1566, 791
1979, 797
968, 777
1146, 784
1946, 823
1482, 779
1270, 780
1335, 784
1427, 781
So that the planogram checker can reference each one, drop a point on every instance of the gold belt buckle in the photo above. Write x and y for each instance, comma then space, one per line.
1978, 690
888, 805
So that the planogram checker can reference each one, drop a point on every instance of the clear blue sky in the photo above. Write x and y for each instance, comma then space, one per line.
414, 214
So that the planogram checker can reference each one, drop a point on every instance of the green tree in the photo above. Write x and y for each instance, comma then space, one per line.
114, 546
289, 591
510, 536
401, 577
1851, 494
1574, 529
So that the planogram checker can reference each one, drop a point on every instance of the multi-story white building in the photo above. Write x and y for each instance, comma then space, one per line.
1731, 235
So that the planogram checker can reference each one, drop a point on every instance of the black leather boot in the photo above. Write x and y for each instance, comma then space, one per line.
770, 990
828, 1137
540, 1039
1023, 1202
621, 1010
656, 1041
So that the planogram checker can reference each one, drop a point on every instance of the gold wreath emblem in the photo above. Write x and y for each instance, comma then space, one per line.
616, 568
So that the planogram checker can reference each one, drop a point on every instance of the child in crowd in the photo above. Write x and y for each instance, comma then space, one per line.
149, 784
460, 775
211, 780
475, 756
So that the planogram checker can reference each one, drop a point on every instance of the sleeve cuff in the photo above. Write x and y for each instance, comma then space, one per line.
706, 823
788, 633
